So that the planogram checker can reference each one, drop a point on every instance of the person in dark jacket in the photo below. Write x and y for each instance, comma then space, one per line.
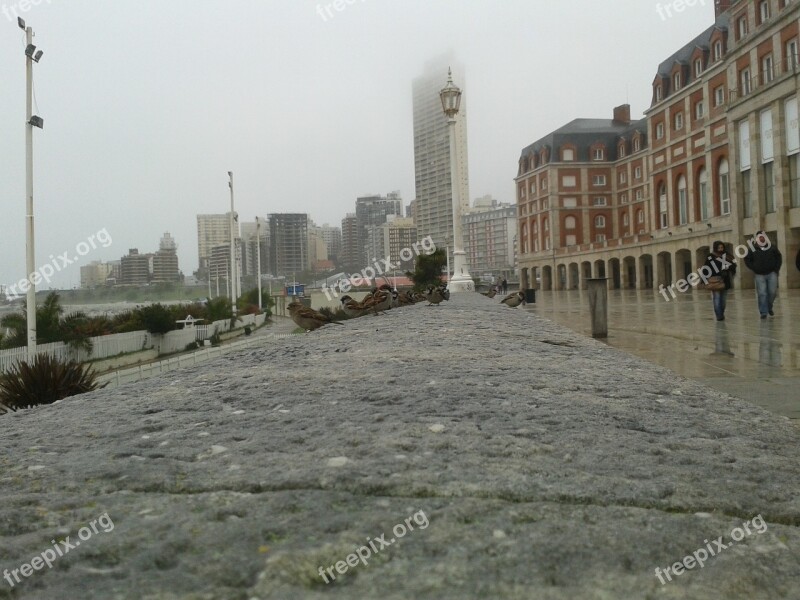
723, 264
765, 262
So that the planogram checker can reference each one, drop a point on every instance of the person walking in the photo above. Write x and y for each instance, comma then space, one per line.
765, 262
723, 265
505, 286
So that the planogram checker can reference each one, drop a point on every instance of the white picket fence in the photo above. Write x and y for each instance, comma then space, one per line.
109, 346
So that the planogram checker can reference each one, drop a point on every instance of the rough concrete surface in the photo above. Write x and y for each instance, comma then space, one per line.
542, 465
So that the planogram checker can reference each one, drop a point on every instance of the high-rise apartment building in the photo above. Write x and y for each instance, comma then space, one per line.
251, 246
333, 240
350, 260
434, 201
374, 211
490, 229
288, 244
95, 274
135, 268
213, 230
165, 261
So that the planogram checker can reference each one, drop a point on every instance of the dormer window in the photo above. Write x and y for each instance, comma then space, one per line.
676, 81
741, 26
698, 67
598, 154
717, 50
621, 150
567, 154
659, 93
636, 145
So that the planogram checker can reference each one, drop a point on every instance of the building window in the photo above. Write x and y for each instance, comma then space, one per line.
600, 221
599, 201
769, 188
679, 121
717, 51
794, 180
570, 223
640, 216
747, 194
744, 81
724, 188
567, 155
598, 180
637, 173
676, 82
791, 55
719, 96
705, 201
683, 202
699, 110
662, 206
623, 177
636, 145
741, 26
639, 195
544, 184
599, 154
658, 93
698, 67
659, 131
622, 151
626, 221
767, 71
763, 10
568, 181
601, 237
623, 198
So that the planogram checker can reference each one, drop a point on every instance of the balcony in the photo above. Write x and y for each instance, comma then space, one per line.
764, 80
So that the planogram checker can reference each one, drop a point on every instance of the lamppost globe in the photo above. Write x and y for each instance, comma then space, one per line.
461, 281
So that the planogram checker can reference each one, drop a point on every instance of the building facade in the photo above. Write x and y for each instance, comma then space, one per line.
212, 231
288, 244
490, 229
640, 203
350, 260
374, 211
165, 262
95, 274
433, 208
135, 268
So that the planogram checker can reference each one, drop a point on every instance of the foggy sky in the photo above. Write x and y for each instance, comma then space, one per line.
148, 104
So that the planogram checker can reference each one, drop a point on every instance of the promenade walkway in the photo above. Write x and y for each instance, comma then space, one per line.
756, 360
465, 451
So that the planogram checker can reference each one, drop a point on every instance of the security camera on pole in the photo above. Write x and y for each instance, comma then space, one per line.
461, 280
32, 55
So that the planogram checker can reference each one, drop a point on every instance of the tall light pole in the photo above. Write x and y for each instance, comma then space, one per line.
232, 274
258, 259
462, 280
31, 56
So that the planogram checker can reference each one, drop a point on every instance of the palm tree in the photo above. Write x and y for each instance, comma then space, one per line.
50, 326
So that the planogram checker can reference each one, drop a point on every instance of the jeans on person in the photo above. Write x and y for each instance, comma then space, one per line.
719, 299
766, 290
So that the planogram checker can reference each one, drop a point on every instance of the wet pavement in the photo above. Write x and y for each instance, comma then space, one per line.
754, 359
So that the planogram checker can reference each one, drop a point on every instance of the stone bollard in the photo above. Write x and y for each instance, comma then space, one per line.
598, 306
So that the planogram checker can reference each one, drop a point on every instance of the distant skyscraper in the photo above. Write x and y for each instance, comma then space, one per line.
165, 261
373, 211
350, 259
434, 208
288, 238
333, 240
213, 230
251, 247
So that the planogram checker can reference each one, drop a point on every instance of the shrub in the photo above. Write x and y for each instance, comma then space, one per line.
157, 319
44, 381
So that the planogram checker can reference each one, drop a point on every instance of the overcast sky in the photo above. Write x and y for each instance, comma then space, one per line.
148, 104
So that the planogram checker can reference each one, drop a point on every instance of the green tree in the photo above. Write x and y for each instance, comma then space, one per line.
428, 270
248, 303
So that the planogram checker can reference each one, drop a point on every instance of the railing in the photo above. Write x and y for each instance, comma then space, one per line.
154, 369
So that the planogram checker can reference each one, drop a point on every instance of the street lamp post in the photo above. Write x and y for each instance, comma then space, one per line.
31, 56
451, 102
232, 274
258, 259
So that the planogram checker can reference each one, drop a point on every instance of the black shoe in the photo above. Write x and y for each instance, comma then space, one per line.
720, 318
771, 314
763, 316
